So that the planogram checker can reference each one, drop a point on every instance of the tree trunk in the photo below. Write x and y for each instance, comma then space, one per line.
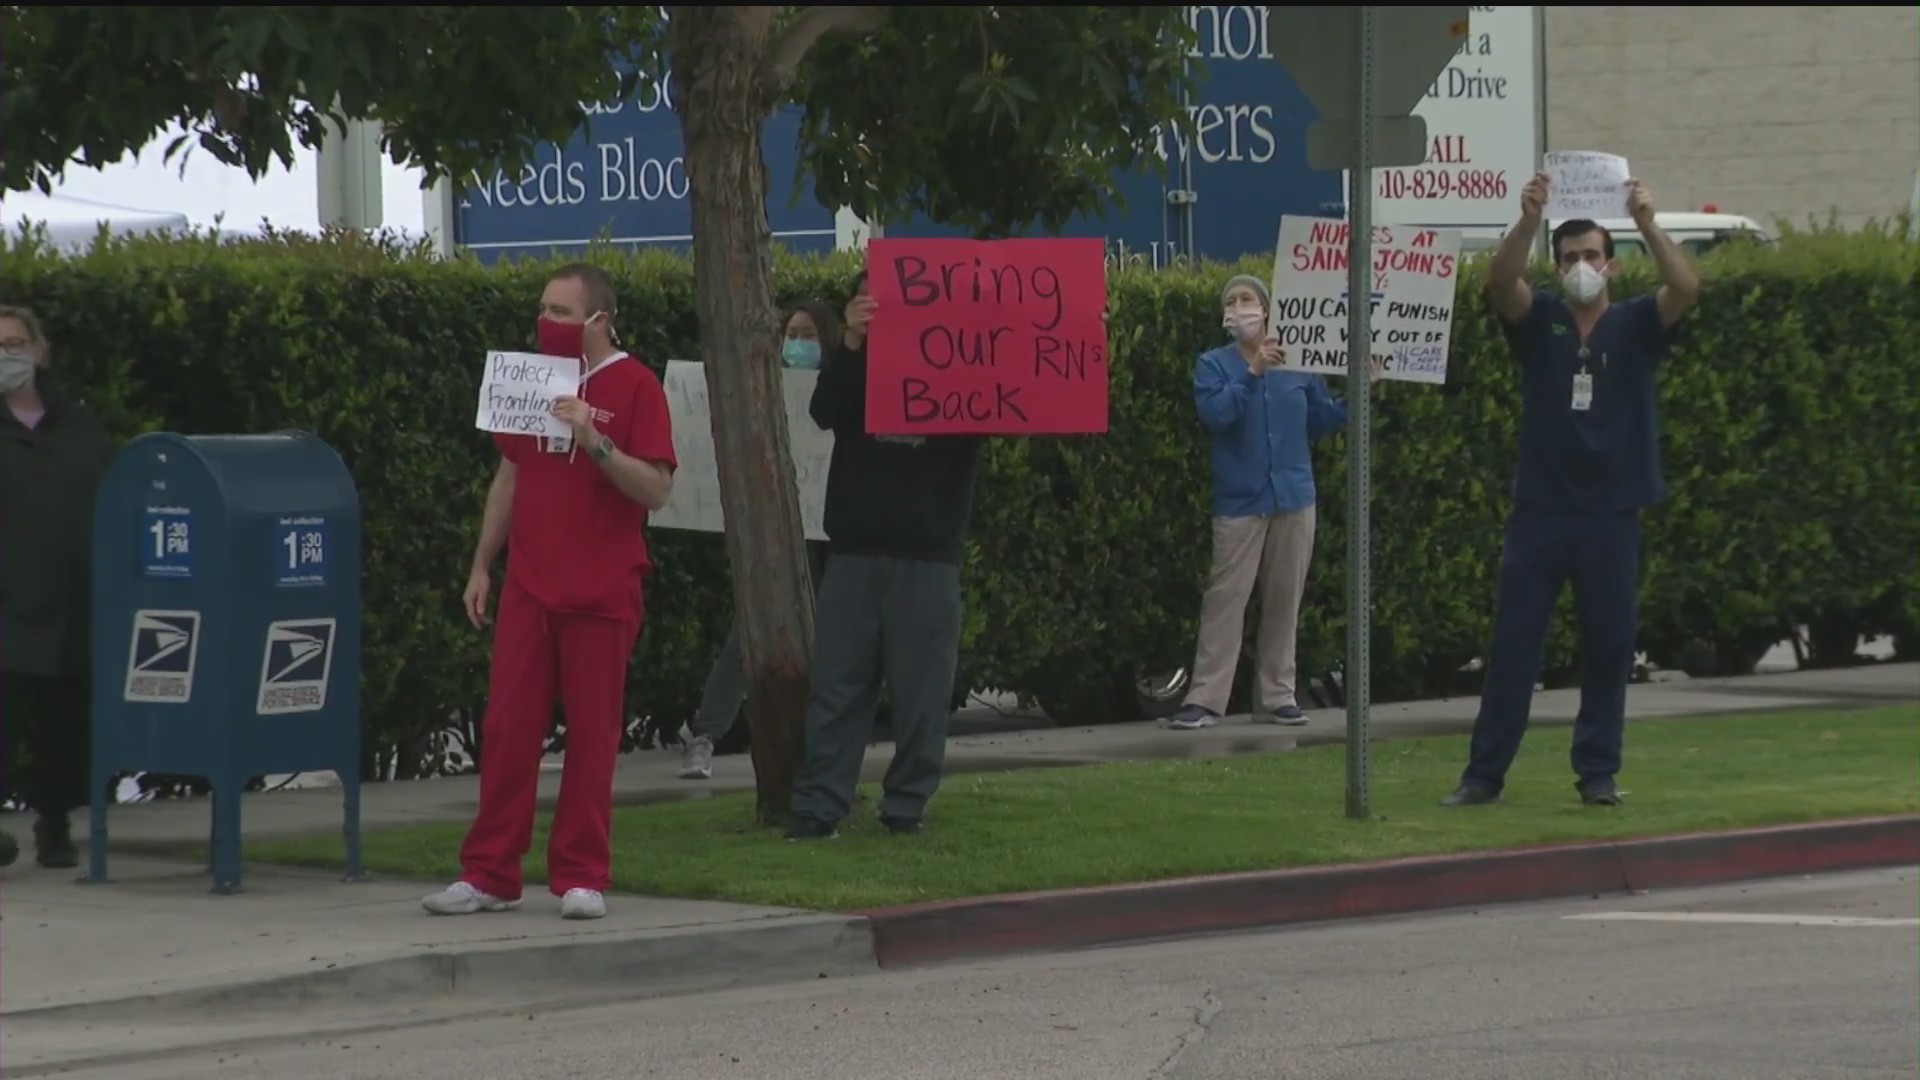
719, 56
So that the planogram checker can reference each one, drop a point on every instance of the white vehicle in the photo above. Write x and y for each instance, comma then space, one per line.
1695, 233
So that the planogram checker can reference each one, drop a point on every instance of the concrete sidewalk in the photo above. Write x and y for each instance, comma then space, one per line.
649, 776
155, 930
161, 962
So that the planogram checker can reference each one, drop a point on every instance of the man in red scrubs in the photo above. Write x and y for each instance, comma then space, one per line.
573, 511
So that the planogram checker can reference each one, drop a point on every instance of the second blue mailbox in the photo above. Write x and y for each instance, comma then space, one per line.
226, 623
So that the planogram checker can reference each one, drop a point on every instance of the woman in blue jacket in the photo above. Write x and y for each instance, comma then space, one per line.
1260, 417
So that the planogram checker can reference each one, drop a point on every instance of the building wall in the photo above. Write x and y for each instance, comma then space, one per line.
1786, 111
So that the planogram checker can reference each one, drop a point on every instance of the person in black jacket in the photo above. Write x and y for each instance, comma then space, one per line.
53, 454
897, 513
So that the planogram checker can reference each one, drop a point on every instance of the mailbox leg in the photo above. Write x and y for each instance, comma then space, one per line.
226, 837
97, 830
350, 827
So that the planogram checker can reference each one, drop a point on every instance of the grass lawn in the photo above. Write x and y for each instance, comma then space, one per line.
1053, 828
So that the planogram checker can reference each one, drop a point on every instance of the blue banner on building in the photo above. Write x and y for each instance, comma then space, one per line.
1226, 183
1220, 196
623, 177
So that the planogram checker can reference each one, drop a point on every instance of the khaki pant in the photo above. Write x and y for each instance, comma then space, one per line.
1274, 552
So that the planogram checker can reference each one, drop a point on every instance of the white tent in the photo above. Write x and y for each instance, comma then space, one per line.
72, 223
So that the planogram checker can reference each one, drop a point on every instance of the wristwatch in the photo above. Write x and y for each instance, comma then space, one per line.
603, 449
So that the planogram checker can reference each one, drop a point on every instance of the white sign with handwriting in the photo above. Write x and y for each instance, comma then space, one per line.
695, 504
1584, 184
517, 391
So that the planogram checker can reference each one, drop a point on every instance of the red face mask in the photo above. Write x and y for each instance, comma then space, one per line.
560, 339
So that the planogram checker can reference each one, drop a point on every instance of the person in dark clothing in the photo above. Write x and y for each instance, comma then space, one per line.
1589, 464
53, 454
889, 608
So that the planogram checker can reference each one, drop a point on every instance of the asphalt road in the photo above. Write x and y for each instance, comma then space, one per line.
1519, 993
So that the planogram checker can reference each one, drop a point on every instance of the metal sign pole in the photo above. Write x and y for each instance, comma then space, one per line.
1544, 248
1360, 426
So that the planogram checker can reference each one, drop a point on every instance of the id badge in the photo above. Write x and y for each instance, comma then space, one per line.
1582, 392
559, 444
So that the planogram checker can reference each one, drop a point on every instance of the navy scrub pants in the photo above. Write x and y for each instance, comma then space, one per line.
1601, 557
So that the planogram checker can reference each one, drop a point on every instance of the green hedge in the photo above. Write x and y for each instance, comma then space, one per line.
1789, 419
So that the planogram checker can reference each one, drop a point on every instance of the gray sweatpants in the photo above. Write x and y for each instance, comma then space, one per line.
876, 618
726, 688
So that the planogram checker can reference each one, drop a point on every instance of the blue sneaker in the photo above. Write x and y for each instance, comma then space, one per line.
1285, 715
1193, 718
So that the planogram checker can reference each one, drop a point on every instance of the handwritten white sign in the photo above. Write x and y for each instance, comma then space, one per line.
517, 392
1414, 273
1584, 184
695, 504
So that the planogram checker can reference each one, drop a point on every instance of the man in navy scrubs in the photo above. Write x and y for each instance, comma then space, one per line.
1589, 464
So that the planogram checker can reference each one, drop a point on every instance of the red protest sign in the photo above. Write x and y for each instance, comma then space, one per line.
987, 337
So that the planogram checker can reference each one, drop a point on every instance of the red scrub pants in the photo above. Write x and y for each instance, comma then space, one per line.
540, 656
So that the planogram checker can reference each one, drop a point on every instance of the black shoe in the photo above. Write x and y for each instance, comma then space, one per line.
9, 849
1600, 793
806, 828
1471, 795
53, 842
902, 826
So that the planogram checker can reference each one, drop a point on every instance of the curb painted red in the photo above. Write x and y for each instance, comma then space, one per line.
1075, 918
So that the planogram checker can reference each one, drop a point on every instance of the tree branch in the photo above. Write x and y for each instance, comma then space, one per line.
809, 27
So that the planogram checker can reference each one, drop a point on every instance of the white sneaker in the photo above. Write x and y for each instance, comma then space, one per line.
583, 904
699, 761
461, 898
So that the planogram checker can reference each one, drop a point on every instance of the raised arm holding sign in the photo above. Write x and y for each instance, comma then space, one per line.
975, 337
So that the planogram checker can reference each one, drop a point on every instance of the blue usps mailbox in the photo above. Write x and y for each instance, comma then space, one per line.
226, 623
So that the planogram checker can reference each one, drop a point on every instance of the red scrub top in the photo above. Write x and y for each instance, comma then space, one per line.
575, 543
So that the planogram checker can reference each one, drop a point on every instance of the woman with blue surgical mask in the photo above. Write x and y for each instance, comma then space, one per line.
809, 333
1261, 416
